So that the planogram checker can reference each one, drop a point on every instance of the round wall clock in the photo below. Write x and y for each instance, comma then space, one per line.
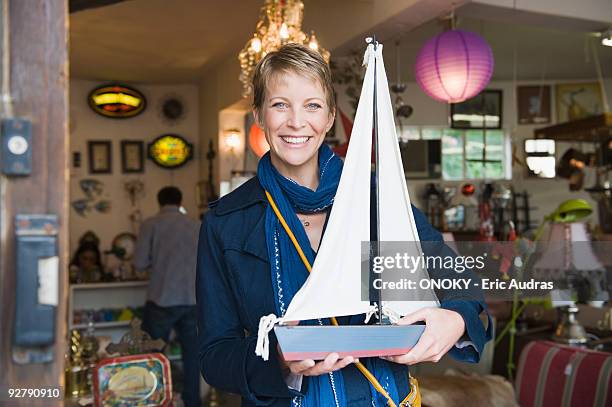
172, 109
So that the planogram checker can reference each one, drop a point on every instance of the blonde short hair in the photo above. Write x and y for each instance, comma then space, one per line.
295, 58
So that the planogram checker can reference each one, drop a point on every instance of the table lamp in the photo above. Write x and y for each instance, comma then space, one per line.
567, 212
567, 256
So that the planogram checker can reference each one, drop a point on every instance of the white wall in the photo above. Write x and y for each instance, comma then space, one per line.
219, 89
86, 125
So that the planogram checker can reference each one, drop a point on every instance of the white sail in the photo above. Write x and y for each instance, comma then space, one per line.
334, 285
396, 219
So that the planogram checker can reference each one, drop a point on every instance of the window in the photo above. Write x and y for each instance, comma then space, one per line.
541, 157
475, 154
466, 154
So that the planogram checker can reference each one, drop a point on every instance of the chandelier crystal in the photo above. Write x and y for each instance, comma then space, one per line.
280, 23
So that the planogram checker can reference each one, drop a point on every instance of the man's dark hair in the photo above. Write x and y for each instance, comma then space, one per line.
169, 196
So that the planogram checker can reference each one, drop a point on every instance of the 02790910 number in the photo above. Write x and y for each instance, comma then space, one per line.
33, 393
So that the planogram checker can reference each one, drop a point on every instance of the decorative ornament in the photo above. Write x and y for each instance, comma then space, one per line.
117, 101
468, 189
75, 371
135, 341
280, 23
257, 140
170, 151
454, 66
92, 188
135, 189
123, 246
81, 206
402, 110
172, 109
103, 206
89, 237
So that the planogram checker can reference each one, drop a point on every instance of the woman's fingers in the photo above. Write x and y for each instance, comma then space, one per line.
330, 364
325, 366
443, 329
300, 366
419, 315
421, 351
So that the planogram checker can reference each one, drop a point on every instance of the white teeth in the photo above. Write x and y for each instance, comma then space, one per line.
295, 140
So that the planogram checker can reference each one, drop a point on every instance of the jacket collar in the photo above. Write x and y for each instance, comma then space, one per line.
249, 193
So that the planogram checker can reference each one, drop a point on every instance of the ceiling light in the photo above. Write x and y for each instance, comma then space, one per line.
280, 23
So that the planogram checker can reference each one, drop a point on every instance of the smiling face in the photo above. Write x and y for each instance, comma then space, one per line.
295, 117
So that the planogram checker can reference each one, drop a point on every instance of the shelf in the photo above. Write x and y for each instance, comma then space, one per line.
590, 129
119, 284
102, 325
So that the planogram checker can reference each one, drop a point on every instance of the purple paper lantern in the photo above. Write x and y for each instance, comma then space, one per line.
454, 66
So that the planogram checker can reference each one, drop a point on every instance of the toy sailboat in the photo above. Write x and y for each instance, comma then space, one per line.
334, 286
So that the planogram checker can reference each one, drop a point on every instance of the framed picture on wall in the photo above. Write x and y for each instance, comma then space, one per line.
533, 104
100, 157
483, 111
132, 156
578, 100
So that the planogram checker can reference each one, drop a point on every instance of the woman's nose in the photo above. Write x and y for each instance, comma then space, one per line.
295, 119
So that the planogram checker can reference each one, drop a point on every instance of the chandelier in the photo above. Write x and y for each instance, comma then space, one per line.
280, 23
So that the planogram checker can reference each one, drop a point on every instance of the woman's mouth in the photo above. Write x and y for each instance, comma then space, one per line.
295, 140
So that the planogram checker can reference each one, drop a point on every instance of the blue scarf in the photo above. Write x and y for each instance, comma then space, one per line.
289, 273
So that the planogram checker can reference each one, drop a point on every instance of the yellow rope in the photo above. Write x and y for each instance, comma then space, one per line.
364, 370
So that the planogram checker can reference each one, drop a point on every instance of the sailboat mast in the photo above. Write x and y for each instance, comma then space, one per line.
377, 188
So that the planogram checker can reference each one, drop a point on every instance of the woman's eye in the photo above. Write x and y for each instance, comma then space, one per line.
313, 106
280, 105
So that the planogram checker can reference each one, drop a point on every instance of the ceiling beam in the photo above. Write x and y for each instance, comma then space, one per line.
80, 5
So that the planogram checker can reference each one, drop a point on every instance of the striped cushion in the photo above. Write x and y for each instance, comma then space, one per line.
553, 375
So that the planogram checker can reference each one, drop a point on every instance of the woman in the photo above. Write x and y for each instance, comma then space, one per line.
248, 268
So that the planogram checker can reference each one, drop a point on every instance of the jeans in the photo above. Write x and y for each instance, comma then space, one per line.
158, 322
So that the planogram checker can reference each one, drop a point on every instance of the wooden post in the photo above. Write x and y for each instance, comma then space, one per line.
38, 64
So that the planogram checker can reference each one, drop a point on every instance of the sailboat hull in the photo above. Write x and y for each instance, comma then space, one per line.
316, 342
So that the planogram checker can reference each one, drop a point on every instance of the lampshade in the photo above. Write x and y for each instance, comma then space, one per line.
568, 244
571, 210
568, 248
454, 66
257, 140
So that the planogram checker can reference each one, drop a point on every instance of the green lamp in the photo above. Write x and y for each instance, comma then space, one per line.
571, 211
569, 331
568, 211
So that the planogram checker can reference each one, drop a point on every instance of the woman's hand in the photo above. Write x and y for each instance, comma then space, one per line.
309, 367
442, 330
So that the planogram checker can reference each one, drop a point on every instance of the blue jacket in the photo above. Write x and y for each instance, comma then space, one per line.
234, 290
